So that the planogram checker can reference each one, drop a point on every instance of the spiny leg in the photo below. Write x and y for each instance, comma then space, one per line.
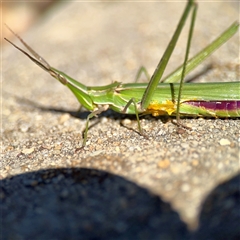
185, 63
175, 76
157, 75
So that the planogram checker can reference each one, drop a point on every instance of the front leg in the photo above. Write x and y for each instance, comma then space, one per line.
91, 115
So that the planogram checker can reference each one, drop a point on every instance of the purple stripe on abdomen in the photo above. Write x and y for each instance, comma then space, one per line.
219, 107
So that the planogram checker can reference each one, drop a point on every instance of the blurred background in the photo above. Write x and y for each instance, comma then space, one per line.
23, 14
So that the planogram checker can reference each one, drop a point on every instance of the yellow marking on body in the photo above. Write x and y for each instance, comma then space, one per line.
157, 109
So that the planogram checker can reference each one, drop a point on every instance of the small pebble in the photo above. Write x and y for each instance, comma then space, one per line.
224, 142
195, 162
185, 187
126, 121
63, 118
27, 150
164, 163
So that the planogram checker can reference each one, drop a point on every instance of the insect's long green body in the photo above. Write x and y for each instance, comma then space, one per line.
169, 98
166, 95
117, 95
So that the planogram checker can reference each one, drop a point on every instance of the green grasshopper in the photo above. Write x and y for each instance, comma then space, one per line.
158, 98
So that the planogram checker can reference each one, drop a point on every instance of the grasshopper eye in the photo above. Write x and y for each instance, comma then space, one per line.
58, 76
62, 79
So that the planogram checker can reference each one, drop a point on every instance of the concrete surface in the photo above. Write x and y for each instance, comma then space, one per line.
180, 179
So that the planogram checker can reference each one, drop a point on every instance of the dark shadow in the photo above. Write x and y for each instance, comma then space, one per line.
73, 113
83, 204
80, 203
83, 114
220, 213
